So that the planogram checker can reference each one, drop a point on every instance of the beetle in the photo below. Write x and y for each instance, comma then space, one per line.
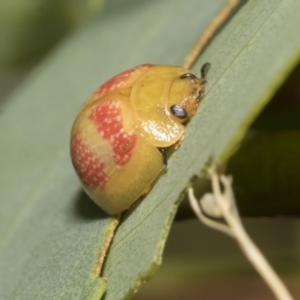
120, 135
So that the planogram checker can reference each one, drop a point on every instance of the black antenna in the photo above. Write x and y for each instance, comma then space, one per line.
204, 70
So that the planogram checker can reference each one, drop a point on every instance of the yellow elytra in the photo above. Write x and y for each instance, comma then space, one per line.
119, 136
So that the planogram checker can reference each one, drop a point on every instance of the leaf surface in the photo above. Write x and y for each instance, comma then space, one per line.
51, 234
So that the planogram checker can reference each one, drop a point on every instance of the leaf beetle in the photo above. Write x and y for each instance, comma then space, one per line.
120, 135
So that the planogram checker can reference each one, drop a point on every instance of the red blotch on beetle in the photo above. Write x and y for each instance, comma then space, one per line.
90, 168
119, 80
107, 117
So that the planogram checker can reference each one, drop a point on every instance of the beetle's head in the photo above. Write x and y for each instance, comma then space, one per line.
186, 92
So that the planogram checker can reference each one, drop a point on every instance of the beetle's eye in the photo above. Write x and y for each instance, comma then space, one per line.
178, 111
188, 75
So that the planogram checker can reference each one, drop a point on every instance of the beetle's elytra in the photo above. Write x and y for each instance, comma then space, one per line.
119, 137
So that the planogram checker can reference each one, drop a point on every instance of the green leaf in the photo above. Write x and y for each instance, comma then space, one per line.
51, 234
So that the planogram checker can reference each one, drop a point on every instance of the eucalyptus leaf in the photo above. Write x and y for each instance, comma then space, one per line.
52, 235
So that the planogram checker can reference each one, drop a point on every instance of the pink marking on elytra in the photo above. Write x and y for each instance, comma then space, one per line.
108, 120
119, 80
90, 168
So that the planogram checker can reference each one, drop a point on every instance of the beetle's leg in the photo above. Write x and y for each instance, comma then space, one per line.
178, 143
164, 156
147, 189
